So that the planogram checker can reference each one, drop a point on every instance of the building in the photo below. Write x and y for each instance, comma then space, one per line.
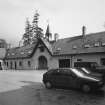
61, 53
3, 46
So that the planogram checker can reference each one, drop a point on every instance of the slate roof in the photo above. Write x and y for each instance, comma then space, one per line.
66, 46
20, 52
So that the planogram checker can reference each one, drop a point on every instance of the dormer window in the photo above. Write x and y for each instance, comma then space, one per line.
86, 45
30, 51
13, 53
58, 49
74, 47
8, 54
97, 44
103, 43
22, 52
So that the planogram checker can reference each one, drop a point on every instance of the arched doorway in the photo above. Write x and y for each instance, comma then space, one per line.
42, 62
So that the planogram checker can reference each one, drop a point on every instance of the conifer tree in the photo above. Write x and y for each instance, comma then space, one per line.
37, 32
27, 36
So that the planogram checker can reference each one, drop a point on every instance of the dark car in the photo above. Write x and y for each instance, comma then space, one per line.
72, 78
88, 71
92, 66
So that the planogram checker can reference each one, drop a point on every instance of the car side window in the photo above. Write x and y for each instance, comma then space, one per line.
55, 72
65, 72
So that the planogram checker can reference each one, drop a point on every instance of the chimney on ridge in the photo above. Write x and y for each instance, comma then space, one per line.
56, 36
83, 31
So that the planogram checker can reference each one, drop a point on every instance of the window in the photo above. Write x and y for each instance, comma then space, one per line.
29, 63
30, 51
103, 61
86, 45
11, 64
20, 63
41, 49
79, 60
22, 52
97, 44
13, 53
103, 43
7, 64
64, 63
1, 45
15, 65
74, 47
8, 54
58, 49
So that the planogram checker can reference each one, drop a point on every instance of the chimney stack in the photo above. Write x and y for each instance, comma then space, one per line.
83, 31
56, 36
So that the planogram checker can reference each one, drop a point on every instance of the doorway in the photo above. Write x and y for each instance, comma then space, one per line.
42, 62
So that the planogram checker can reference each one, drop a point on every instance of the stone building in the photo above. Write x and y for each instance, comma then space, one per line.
3, 47
61, 53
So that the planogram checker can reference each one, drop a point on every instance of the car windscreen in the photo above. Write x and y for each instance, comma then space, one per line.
85, 70
77, 72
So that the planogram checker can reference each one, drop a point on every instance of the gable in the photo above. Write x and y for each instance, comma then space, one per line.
42, 46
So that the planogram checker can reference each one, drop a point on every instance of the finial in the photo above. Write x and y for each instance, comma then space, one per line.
47, 21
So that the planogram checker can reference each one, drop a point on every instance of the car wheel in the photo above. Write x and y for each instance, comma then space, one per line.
86, 88
48, 85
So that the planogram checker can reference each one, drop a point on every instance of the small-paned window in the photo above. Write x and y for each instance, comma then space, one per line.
20, 63
103, 61
29, 63
64, 63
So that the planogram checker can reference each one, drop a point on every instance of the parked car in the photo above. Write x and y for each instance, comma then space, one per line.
88, 71
72, 78
92, 66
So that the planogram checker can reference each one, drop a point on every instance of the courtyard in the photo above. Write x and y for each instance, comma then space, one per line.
26, 88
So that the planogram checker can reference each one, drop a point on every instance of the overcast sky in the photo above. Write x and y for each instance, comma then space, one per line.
66, 17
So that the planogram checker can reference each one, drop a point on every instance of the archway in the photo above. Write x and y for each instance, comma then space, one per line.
42, 62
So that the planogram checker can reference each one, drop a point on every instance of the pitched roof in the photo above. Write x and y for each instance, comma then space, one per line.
90, 43
20, 52
76, 45
27, 51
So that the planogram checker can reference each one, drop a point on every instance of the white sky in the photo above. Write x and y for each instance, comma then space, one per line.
66, 17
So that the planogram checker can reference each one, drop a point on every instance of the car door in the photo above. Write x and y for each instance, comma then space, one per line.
55, 77
59, 78
71, 79
65, 78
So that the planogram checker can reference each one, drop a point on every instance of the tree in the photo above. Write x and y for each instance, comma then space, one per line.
37, 32
27, 36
